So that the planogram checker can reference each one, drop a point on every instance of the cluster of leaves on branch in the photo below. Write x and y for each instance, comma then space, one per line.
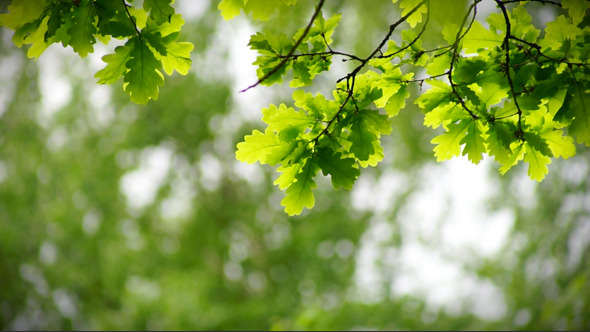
509, 91
150, 34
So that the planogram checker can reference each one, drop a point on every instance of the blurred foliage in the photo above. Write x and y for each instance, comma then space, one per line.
213, 250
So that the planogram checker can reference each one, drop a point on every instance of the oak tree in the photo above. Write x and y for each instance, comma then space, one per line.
497, 85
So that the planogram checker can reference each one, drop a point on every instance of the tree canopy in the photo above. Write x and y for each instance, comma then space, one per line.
85, 245
492, 89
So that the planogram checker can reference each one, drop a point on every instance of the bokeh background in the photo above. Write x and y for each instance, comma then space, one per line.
115, 216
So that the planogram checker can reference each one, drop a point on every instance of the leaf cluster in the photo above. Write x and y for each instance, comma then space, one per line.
507, 89
510, 91
151, 33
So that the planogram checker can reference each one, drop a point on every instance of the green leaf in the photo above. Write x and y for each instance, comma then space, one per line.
321, 108
407, 6
21, 12
576, 9
160, 10
444, 114
490, 93
286, 118
449, 32
375, 158
580, 126
270, 47
328, 26
518, 150
83, 29
301, 74
37, 40
479, 37
343, 171
537, 163
156, 42
439, 93
379, 122
177, 58
164, 29
448, 145
116, 65
397, 101
260, 9
389, 83
143, 78
230, 8
299, 195
60, 12
287, 177
362, 138
499, 141
555, 101
439, 64
559, 31
538, 142
521, 25
264, 148
474, 141
560, 146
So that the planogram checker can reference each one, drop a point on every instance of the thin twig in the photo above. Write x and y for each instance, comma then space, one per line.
506, 45
131, 18
538, 48
351, 77
297, 43
413, 41
331, 52
458, 38
541, 1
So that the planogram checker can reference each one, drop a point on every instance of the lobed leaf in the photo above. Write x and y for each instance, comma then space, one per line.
448, 144
343, 171
537, 163
259, 146
116, 65
479, 37
143, 78
177, 58
299, 194
160, 10
83, 29
580, 126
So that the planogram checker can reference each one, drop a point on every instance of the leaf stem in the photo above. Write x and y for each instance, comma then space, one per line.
131, 18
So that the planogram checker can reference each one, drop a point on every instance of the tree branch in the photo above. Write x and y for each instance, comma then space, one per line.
330, 52
287, 57
541, 1
413, 41
351, 77
131, 18
455, 47
506, 46
538, 48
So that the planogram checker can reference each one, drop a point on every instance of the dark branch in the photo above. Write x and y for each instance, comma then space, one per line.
330, 52
541, 1
506, 46
538, 48
413, 41
351, 77
287, 57
455, 48
131, 18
